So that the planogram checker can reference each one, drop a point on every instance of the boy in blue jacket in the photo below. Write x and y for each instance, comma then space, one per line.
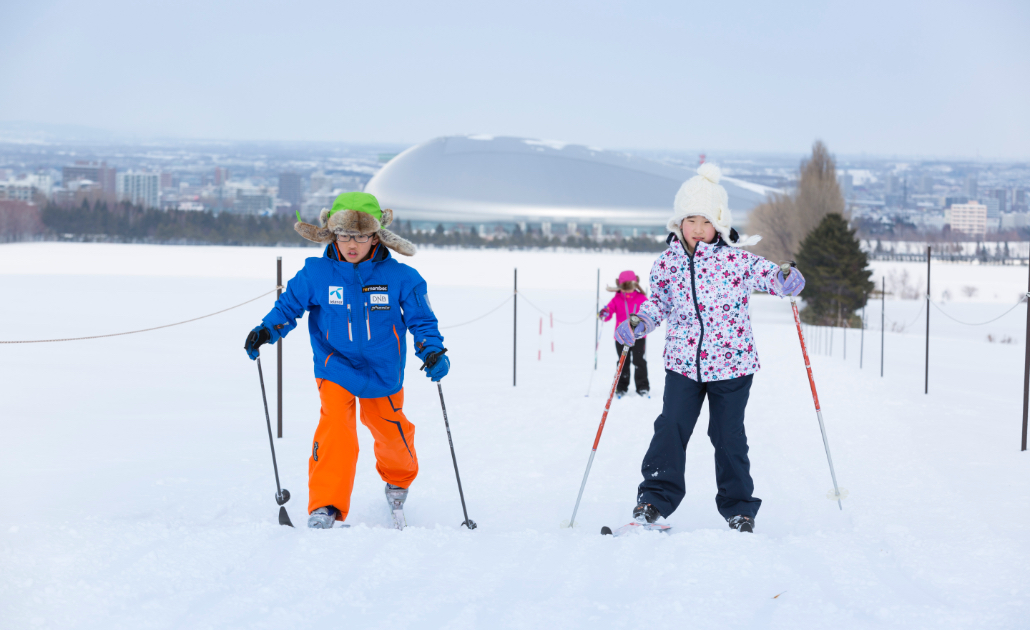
362, 302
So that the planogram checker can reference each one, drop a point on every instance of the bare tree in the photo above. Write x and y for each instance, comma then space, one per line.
784, 221
818, 192
776, 221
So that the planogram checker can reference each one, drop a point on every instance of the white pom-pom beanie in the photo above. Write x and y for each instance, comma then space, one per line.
702, 196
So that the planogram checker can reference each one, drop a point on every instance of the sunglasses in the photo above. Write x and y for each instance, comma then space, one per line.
358, 238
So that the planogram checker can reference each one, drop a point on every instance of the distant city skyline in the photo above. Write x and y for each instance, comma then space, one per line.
883, 79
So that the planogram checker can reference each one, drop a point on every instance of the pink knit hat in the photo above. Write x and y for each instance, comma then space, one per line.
627, 276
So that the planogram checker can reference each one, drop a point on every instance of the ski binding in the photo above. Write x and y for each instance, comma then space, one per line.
635, 527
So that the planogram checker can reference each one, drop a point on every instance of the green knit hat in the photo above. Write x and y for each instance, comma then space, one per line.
357, 201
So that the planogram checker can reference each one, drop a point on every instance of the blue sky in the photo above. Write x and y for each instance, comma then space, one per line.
906, 78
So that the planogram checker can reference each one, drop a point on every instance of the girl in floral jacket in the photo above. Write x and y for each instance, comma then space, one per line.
701, 287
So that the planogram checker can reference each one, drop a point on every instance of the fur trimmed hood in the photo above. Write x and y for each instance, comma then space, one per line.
360, 221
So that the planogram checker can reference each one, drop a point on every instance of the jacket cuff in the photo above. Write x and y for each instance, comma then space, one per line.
275, 331
649, 324
426, 351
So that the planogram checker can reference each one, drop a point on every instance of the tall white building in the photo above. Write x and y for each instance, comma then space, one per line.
969, 218
142, 189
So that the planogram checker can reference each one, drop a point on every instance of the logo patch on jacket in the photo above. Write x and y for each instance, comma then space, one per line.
380, 307
375, 287
379, 298
336, 295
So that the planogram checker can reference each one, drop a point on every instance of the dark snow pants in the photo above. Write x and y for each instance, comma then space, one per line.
664, 485
636, 357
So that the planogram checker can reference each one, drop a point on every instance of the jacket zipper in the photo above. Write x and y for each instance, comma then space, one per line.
693, 292
364, 303
350, 336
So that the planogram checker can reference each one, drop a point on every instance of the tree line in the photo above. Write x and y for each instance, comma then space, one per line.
126, 223
517, 238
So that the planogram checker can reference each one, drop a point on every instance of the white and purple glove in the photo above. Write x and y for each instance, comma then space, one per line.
627, 336
792, 284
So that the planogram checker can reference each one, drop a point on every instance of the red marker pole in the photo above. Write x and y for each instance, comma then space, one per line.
540, 341
785, 268
600, 428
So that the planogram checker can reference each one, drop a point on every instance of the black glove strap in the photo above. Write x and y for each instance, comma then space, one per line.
432, 358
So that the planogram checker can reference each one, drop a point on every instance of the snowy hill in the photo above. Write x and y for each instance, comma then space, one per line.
138, 484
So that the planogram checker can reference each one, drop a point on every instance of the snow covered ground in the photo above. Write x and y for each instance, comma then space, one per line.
138, 490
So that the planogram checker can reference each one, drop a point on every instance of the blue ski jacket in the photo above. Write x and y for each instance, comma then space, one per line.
360, 315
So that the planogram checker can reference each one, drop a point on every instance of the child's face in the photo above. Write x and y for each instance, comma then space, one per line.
697, 229
352, 250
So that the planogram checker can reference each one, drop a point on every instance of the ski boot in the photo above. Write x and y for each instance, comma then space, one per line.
323, 518
645, 513
644, 393
742, 524
619, 393
395, 497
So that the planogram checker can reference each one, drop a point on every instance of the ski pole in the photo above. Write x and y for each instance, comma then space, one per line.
469, 523
600, 428
282, 495
785, 268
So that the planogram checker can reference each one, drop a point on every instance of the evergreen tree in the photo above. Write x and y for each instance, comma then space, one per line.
836, 279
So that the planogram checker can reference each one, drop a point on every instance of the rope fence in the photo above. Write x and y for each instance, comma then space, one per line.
904, 327
820, 338
133, 332
1014, 306
490, 312
560, 321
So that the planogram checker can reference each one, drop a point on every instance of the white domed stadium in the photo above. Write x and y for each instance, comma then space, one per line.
486, 179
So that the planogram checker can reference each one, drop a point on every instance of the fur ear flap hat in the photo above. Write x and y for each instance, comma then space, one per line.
627, 281
702, 195
355, 212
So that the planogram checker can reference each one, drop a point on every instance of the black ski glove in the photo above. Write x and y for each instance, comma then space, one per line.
436, 365
257, 338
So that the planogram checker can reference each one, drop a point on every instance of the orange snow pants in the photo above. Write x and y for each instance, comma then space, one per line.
334, 453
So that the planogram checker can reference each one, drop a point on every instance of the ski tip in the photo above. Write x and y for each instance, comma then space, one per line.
606, 531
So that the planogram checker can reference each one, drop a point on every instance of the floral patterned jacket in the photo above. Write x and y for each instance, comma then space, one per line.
704, 300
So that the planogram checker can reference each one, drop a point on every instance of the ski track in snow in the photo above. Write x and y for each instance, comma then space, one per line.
139, 489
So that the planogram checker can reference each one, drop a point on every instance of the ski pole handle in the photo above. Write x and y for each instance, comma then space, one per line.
785, 270
432, 359
633, 322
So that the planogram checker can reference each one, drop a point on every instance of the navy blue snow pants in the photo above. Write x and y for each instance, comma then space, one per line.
664, 485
